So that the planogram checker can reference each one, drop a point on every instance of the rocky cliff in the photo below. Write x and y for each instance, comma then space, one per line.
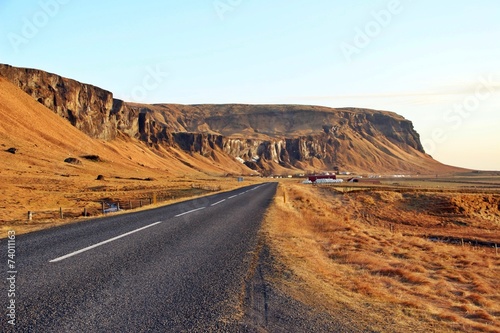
264, 137
291, 136
90, 109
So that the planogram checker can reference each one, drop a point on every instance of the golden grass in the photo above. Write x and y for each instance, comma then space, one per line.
343, 255
73, 197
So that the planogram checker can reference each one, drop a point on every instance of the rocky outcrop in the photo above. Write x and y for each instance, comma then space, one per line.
290, 136
12, 150
287, 135
73, 160
88, 108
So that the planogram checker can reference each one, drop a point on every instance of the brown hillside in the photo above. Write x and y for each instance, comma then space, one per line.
36, 177
279, 139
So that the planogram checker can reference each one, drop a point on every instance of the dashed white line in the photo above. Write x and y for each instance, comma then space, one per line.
139, 229
102, 243
218, 202
190, 211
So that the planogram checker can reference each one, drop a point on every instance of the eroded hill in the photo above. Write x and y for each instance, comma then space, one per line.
280, 139
47, 164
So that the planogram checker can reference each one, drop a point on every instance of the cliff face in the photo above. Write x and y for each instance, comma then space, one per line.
292, 136
88, 108
262, 136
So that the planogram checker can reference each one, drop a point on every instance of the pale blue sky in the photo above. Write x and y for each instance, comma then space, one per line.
435, 62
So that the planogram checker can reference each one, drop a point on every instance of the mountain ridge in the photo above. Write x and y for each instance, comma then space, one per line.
267, 138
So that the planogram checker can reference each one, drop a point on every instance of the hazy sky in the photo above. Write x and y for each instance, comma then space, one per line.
436, 63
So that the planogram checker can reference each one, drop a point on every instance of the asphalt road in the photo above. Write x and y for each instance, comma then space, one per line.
179, 268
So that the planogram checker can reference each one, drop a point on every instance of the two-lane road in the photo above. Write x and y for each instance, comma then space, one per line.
171, 269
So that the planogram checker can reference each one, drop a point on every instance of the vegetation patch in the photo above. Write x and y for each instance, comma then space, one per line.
93, 158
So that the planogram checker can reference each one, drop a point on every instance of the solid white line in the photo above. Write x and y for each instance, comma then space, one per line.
190, 211
233, 196
102, 243
215, 204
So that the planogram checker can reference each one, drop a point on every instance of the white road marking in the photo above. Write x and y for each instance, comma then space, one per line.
233, 196
102, 243
190, 211
215, 204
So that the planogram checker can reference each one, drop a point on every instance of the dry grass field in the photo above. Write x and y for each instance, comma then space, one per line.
35, 177
46, 196
420, 261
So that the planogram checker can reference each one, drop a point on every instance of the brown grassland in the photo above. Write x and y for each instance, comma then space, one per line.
368, 255
37, 179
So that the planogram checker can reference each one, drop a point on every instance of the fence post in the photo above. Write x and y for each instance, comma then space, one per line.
85, 211
130, 204
118, 205
140, 203
61, 212
30, 215
102, 204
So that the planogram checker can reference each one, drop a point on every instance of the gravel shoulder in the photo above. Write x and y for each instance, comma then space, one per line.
268, 308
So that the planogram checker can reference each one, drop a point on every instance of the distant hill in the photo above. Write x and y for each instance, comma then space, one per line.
279, 139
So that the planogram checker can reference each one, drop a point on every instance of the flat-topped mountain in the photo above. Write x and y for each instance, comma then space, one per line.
267, 138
